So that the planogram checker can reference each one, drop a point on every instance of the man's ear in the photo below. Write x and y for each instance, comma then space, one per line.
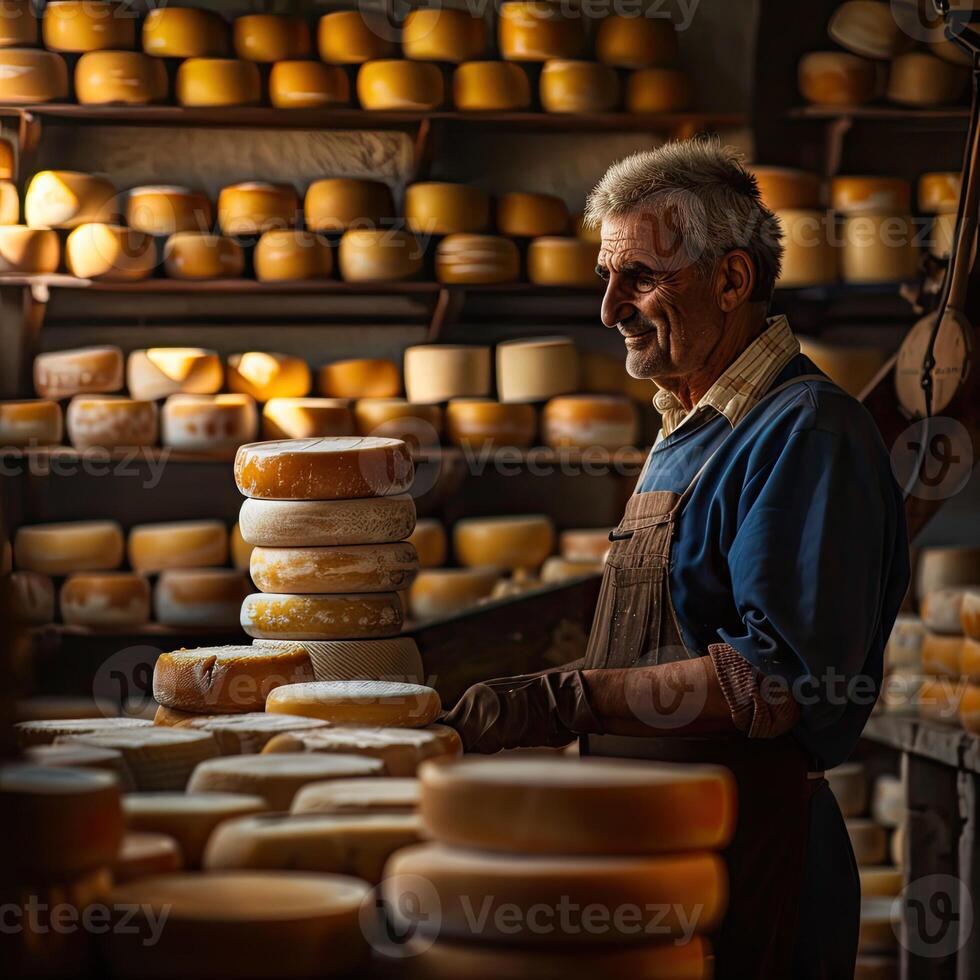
735, 280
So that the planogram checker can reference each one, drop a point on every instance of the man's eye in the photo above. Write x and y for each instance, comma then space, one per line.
645, 283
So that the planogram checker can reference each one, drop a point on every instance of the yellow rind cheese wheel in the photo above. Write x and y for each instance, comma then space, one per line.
288, 255
578, 86
105, 599
165, 210
870, 195
307, 85
429, 540
29, 251
33, 422
656, 90
504, 542
177, 544
560, 261
869, 841
351, 37
439, 592
399, 85
418, 426
636, 42
385, 255
352, 797
878, 248
218, 82
481, 423
809, 258
869, 29
266, 375
783, 188
335, 204
359, 378
922, 80
490, 86
252, 207
73, 546
28, 76
306, 418
18, 24
199, 255
589, 421
144, 855
184, 32
942, 655
837, 78
87, 25
939, 192
443, 34
270, 37
109, 252
336, 569
67, 199
200, 596
881, 882
523, 215
379, 703
120, 78
161, 371
275, 616
440, 208
530, 30
463, 258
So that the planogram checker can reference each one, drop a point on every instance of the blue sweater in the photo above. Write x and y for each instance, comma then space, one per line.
793, 548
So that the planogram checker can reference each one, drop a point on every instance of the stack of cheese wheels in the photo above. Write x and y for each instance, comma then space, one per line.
561, 835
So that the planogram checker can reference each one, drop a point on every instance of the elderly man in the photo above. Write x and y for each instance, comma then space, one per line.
753, 581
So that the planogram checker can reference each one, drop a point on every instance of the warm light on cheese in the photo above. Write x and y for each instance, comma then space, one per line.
399, 85
208, 423
969, 708
45, 731
536, 370
589, 421
523, 215
438, 372
504, 542
558, 261
161, 371
18, 24
438, 208
603, 374
941, 610
109, 252
443, 34
636, 42
494, 86
480, 423
184, 32
837, 78
418, 426
310, 617
337, 203
87, 25
198, 255
941, 235
939, 568
30, 251
120, 78
584, 544
359, 378
306, 418
307, 85
558, 569
253, 207
195, 597
287, 255
878, 248
939, 192
111, 422
146, 855
248, 732
970, 614
29, 76
578, 86
383, 703
241, 550
76, 546
105, 599
941, 655
869, 29
394, 659
67, 199
60, 374
30, 423
889, 801
530, 30
440, 592
851, 366
870, 195
177, 544
164, 210
477, 259
809, 258
655, 90
367, 255
9, 203
922, 80
783, 188
270, 37
265, 375
31, 598
351, 37
218, 82
430, 542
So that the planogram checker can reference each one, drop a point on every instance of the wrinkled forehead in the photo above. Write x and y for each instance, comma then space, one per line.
656, 239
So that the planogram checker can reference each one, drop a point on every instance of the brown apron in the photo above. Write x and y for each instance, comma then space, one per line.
635, 625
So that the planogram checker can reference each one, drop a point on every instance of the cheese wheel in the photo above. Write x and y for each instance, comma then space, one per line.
367, 255
900, 690
226, 679
396, 659
970, 660
922, 80
494, 86
888, 801
305, 523
265, 375
439, 208
28, 76
87, 25
75, 546
658, 90
969, 708
9, 203
328, 617
307, 85
45, 731
869, 841
110, 422
58, 822
578, 86
306, 418
120, 78
250, 732
530, 30
438, 372
477, 259
271, 924
288, 255
31, 598
351, 37
356, 702
411, 86
441, 592
939, 192
946, 567
79, 757
479, 423
523, 215
278, 777
177, 544
165, 210
67, 199
418, 426
241, 551
29, 251
144, 855
849, 784
270, 37
323, 469
218, 82
443, 34
109, 252
105, 599
457, 881
60, 374
199, 255
208, 423
837, 78
870, 195
18, 24
535, 370
782, 188
881, 882
184, 32
941, 654
200, 596
941, 236
904, 647
33, 422
503, 542
354, 797
557, 569
941, 610
970, 613
584, 544
359, 378
430, 543
589, 421
189, 818
868, 28
849, 365
624, 41
809, 258
881, 921
253, 207
338, 203
161, 371
877, 248
557, 261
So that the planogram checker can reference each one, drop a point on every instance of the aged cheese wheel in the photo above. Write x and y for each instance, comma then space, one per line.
265, 375
849, 784
888, 801
877, 248
351, 37
67, 199
504, 542
184, 32
165, 210
18, 24
226, 679
306, 418
28, 76
87, 25
109, 252
524, 215
535, 370
584, 544
870, 195
443, 34
782, 188
919, 79
253, 207
904, 647
362, 377
271, 924
970, 660
941, 610
110, 422
439, 208
30, 598
161, 371
624, 41
941, 654
480, 423
386, 255
208, 423
218, 82
418, 426
439, 592
970, 613
356, 702
144, 855
120, 77
306, 523
76, 546
200, 596
337, 203
177, 544
105, 599
9, 203
323, 469
656, 90
307, 85
429, 540
880, 923
578, 86
29, 251
849, 365
44, 731
96, 370
868, 28
490, 86
241, 550
589, 421
939, 192
939, 568
557, 261
870, 842
438, 372
336, 569
200, 255
530, 30
881, 882
477, 259
396, 659
288, 255
328, 617
270, 37
250, 732
837, 78
33, 422
79, 757
399, 85
809, 258
353, 797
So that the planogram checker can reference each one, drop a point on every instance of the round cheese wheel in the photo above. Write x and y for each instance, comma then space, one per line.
477, 259
361, 377
524, 215
584, 544
265, 375
199, 596
877, 248
939, 192
657, 90
782, 188
367, 255
327, 617
9, 203
880, 923
438, 372
395, 659
165, 210
418, 426
430, 542
636, 41
306, 418
941, 654
849, 365
941, 610
888, 801
494, 86
250, 732
241, 551
558, 569
110, 422
109, 252
227, 679
969, 708
79, 757
949, 566
143, 855
218, 82
307, 85
351, 37
120, 77
870, 195
578, 86
970, 660
87, 25
60, 374
67, 199
28, 76
99, 599
253, 207
904, 647
18, 24
849, 784
380, 703
809, 258
411, 86
31, 598
337, 203
270, 37
200, 255
530, 30
208, 423
44, 731
288, 255
557, 261
75, 546
922, 80
535, 370
868, 28
29, 251
184, 32
323, 469
439, 208
837, 78
479, 423
443, 34
870, 842
355, 797
306, 523
161, 371
457, 881
32, 422
970, 613
177, 544
441, 592
881, 882
589, 421
503, 542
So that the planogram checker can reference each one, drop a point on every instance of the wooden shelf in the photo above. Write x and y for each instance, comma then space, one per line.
946, 117
948, 744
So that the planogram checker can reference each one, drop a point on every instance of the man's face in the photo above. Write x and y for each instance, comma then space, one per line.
667, 313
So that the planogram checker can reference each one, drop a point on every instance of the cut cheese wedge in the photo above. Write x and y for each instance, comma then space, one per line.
849, 784
941, 610
338, 569
194, 597
504, 542
306, 418
869, 841
75, 546
438, 592
208, 423
351, 797
109, 422
84, 370
177, 544
143, 855
250, 732
161, 371
395, 659
31, 422
271, 616
105, 600
379, 703
44, 731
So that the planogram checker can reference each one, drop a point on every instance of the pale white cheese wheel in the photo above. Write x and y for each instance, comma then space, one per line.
34, 422
438, 592
381, 703
351, 797
84, 370
335, 569
536, 370
904, 647
177, 544
438, 372
160, 371
557, 569
45, 731
74, 546
272, 616
105, 599
249, 732
395, 659
208, 423
111, 422
888, 801
209, 597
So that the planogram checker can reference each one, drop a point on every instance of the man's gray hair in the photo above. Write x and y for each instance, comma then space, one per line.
702, 193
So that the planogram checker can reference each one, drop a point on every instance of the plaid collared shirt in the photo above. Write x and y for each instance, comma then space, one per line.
740, 385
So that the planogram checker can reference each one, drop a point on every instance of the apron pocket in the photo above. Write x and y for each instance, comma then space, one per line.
634, 623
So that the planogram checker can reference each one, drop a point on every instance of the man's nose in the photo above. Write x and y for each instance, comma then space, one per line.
616, 305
